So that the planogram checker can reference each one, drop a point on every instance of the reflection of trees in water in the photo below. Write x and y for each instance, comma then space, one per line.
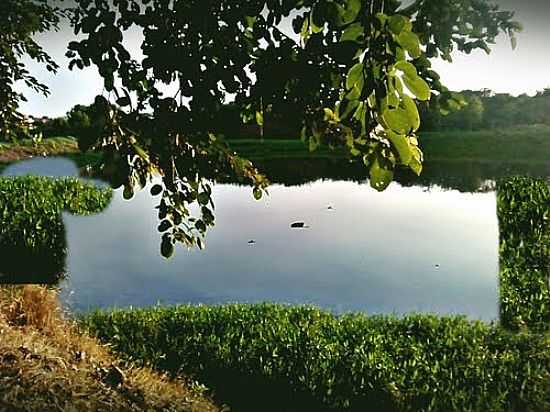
463, 176
32, 235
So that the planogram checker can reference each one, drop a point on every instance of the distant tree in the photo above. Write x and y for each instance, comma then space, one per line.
78, 119
58, 126
20, 21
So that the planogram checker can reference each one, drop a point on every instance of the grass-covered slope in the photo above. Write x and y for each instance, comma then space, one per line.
277, 358
524, 222
32, 236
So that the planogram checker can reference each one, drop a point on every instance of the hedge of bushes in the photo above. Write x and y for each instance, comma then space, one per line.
277, 358
524, 222
32, 236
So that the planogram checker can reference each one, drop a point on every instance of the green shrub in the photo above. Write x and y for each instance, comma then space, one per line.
277, 358
32, 235
524, 222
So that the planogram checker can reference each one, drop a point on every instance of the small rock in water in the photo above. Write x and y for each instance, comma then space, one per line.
296, 225
251, 242
437, 266
330, 208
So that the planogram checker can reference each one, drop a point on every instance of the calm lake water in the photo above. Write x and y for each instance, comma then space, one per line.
421, 248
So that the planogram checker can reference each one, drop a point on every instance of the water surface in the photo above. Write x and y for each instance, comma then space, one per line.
408, 249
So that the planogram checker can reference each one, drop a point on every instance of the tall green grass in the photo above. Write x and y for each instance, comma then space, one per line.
276, 358
32, 235
524, 222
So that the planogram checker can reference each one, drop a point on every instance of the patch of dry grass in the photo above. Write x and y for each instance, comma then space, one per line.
47, 364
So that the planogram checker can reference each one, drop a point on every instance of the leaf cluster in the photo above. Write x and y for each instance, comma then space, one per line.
353, 70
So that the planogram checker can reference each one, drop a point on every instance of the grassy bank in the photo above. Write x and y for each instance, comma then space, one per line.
32, 235
523, 207
46, 364
277, 358
529, 144
522, 144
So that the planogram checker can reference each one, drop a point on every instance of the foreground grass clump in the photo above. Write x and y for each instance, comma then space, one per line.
46, 364
524, 222
278, 358
32, 236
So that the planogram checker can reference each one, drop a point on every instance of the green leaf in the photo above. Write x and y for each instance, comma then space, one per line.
399, 24
304, 34
352, 32
355, 77
418, 87
156, 189
406, 67
123, 101
313, 144
257, 192
397, 120
164, 226
350, 106
128, 192
260, 118
203, 198
410, 42
379, 177
401, 145
354, 93
412, 111
353, 7
415, 163
166, 247
250, 20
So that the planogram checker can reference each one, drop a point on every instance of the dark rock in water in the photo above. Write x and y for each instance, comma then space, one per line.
298, 225
251, 242
330, 208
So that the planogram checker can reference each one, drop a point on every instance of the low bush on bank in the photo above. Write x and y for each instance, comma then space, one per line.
524, 223
32, 236
272, 357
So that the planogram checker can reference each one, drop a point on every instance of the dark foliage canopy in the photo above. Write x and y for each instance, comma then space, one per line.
354, 70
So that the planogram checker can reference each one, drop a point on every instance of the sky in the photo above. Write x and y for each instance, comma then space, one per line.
524, 70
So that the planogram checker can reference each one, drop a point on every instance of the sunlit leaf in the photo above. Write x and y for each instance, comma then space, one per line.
401, 145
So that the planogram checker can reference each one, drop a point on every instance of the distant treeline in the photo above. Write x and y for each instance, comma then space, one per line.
487, 110
481, 110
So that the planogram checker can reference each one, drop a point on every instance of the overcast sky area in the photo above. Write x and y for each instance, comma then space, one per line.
524, 70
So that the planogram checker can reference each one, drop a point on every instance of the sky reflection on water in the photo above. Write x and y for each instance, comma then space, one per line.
406, 249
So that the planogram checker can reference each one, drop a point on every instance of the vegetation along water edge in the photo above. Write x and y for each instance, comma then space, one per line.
285, 358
